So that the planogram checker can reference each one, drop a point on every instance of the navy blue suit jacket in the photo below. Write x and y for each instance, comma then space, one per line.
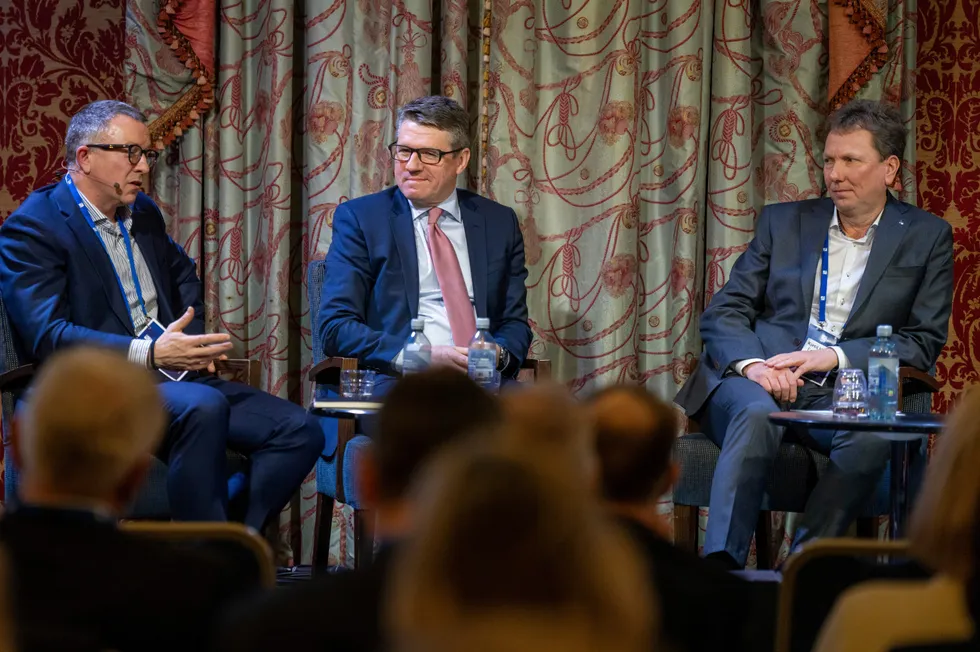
371, 281
58, 283
764, 309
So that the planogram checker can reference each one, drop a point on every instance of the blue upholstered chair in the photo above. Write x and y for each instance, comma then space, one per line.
335, 474
152, 502
794, 474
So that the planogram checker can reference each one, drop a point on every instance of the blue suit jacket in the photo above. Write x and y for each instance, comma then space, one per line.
764, 309
58, 283
371, 284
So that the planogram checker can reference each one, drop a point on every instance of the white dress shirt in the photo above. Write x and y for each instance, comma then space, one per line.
109, 232
432, 307
846, 258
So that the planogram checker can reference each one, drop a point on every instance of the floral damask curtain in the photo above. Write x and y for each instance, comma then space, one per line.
636, 141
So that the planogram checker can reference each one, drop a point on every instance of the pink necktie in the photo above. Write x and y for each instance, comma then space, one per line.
457, 300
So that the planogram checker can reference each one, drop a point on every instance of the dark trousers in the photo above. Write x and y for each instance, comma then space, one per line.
736, 419
208, 414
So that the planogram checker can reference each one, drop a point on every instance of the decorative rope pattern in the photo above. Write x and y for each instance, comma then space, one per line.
872, 26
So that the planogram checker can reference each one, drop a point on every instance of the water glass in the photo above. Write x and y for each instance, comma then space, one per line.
850, 394
357, 383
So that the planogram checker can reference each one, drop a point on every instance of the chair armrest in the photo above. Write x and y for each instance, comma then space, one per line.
540, 368
16, 377
925, 381
915, 390
241, 369
328, 371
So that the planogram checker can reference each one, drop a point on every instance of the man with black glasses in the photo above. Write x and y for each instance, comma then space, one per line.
425, 249
88, 261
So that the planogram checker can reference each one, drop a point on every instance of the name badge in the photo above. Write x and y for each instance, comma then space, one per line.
816, 339
152, 333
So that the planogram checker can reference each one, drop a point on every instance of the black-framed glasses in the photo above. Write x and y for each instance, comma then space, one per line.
427, 155
135, 152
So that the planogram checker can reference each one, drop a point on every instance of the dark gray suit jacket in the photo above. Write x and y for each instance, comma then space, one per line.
764, 309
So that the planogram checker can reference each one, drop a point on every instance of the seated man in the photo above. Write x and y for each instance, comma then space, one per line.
88, 261
635, 433
83, 443
428, 250
422, 414
779, 322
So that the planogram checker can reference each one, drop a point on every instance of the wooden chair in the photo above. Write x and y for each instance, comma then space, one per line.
795, 472
225, 533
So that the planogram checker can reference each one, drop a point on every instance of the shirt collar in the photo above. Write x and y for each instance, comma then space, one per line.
449, 206
835, 224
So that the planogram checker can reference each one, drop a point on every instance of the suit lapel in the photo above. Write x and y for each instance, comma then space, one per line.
476, 244
814, 225
91, 246
403, 231
889, 234
147, 243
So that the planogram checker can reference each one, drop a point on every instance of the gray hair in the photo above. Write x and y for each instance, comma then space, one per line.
884, 121
93, 119
439, 112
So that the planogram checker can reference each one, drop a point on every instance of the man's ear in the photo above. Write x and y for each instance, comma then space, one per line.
368, 478
464, 160
892, 168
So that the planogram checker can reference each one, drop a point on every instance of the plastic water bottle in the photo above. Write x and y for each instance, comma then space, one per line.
883, 376
482, 357
417, 352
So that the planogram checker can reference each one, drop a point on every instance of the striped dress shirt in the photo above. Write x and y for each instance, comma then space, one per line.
109, 231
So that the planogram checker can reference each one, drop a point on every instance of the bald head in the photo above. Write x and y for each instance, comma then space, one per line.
92, 420
635, 434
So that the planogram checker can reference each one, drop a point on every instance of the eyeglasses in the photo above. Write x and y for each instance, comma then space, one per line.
427, 155
135, 152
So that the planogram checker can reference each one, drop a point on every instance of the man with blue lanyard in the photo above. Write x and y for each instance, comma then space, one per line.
803, 301
88, 261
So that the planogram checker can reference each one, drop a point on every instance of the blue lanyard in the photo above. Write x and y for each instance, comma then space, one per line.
823, 280
129, 251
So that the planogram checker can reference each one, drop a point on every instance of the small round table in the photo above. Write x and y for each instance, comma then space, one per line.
900, 431
344, 408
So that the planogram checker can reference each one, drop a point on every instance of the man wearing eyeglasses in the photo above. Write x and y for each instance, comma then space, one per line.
425, 249
88, 261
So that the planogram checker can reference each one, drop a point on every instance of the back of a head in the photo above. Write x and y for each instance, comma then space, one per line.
512, 548
421, 414
546, 420
92, 417
944, 518
635, 434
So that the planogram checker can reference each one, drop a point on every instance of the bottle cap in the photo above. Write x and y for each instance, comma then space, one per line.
418, 324
482, 324
884, 330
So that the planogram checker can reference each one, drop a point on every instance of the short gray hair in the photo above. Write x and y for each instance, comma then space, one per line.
883, 121
91, 120
439, 112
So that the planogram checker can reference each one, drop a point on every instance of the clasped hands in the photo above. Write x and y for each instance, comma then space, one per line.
781, 375
454, 357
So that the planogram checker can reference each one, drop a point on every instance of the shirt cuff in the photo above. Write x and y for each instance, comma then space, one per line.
139, 352
842, 360
742, 364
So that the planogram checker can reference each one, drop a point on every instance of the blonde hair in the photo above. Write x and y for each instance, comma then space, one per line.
942, 530
545, 419
512, 553
91, 418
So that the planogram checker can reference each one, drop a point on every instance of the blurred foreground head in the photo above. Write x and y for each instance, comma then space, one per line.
90, 426
511, 553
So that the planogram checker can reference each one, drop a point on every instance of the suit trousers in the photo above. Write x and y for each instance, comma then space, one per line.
209, 414
736, 419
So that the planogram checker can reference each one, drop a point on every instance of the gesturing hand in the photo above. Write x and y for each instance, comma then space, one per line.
802, 362
176, 351
781, 383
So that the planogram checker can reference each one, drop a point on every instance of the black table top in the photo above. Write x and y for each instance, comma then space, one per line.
902, 423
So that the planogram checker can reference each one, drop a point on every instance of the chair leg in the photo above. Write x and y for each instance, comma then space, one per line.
686, 527
321, 531
763, 542
363, 537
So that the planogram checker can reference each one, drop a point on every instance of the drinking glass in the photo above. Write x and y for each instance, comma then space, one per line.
850, 394
357, 383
